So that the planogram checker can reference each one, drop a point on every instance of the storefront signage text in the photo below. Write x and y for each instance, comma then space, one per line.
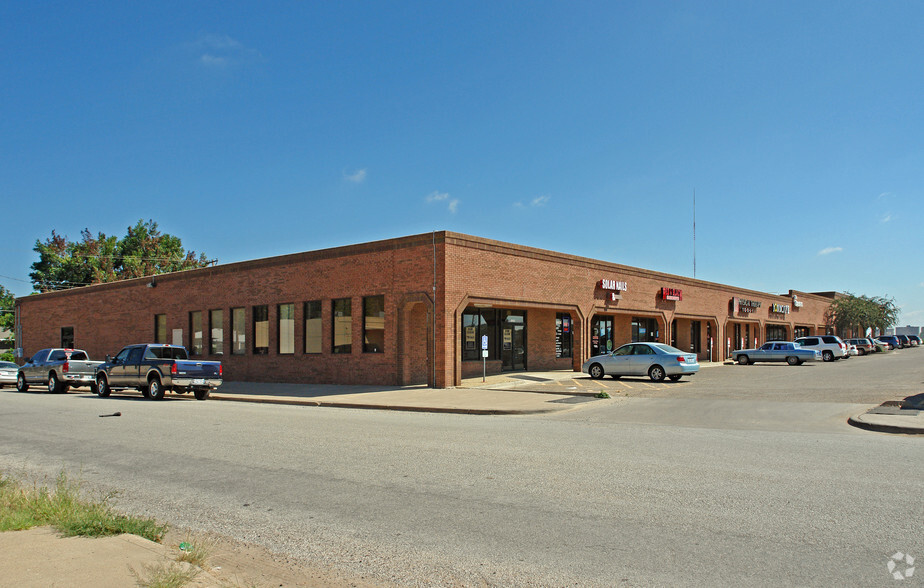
671, 294
779, 308
745, 305
796, 302
613, 285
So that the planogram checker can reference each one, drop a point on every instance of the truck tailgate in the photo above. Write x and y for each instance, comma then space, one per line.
197, 369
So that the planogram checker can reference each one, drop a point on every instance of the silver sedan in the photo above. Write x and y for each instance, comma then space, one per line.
8, 373
656, 360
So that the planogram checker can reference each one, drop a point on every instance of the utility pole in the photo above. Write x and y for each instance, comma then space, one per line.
694, 233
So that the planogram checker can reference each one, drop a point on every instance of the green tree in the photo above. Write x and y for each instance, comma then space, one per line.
144, 251
850, 314
7, 321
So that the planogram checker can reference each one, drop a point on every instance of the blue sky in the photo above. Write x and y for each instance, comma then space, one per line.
256, 129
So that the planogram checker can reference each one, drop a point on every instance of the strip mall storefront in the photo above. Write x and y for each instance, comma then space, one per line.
427, 309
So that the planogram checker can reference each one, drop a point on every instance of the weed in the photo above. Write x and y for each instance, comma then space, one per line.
166, 575
63, 508
603, 394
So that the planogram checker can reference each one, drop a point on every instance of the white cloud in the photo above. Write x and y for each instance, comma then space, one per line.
220, 51
885, 218
883, 196
540, 200
357, 177
830, 250
438, 196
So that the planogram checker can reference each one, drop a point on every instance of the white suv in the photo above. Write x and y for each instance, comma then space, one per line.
831, 346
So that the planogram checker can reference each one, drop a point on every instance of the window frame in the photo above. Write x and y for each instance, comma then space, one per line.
289, 333
342, 348
264, 310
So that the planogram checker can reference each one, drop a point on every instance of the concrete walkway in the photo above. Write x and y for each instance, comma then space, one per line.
512, 393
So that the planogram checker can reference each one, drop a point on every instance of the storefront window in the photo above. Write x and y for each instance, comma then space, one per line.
343, 325
477, 323
286, 314
776, 333
801, 332
195, 332
374, 324
238, 337
313, 326
67, 337
217, 332
160, 328
644, 329
260, 330
563, 335
601, 335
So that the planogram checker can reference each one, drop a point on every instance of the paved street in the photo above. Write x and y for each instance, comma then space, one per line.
746, 475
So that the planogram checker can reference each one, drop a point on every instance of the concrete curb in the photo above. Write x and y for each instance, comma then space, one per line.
860, 423
364, 406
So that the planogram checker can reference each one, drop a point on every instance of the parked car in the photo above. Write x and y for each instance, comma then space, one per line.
915, 340
879, 345
8, 371
58, 369
788, 351
831, 346
891, 340
904, 340
864, 346
153, 369
656, 360
852, 350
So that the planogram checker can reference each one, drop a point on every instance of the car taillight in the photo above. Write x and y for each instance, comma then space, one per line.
681, 359
219, 369
173, 369
66, 367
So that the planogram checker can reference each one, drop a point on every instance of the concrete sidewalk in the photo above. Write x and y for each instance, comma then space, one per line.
512, 393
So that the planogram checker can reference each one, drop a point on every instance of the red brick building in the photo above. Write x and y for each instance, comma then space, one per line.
412, 310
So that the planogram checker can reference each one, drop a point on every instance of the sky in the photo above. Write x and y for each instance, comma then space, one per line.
254, 129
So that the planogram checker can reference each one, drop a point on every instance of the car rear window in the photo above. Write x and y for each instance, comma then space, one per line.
165, 353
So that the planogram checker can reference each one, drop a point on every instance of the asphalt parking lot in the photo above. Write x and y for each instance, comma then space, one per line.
868, 379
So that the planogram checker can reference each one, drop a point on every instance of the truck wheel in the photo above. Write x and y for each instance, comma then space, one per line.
102, 386
155, 389
21, 384
54, 386
201, 394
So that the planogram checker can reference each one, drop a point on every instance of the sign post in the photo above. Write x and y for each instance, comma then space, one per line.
484, 358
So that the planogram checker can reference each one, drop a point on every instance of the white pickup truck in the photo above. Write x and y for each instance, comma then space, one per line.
59, 369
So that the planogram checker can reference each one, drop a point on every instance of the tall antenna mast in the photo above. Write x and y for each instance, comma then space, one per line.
694, 233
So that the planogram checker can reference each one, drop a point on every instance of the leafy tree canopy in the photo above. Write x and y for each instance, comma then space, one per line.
143, 251
856, 313
7, 317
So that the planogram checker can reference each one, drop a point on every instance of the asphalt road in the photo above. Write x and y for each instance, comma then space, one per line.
743, 476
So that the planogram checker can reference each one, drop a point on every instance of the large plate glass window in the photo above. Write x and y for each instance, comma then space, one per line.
286, 313
342, 318
313, 326
261, 330
644, 329
67, 337
195, 332
374, 324
563, 333
216, 332
160, 328
238, 332
477, 323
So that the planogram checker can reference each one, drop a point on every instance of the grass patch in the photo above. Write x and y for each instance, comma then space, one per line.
64, 508
166, 575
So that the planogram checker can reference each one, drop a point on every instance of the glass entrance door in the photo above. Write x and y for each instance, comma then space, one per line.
601, 335
513, 340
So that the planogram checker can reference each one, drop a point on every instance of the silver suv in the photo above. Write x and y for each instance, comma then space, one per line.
831, 346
